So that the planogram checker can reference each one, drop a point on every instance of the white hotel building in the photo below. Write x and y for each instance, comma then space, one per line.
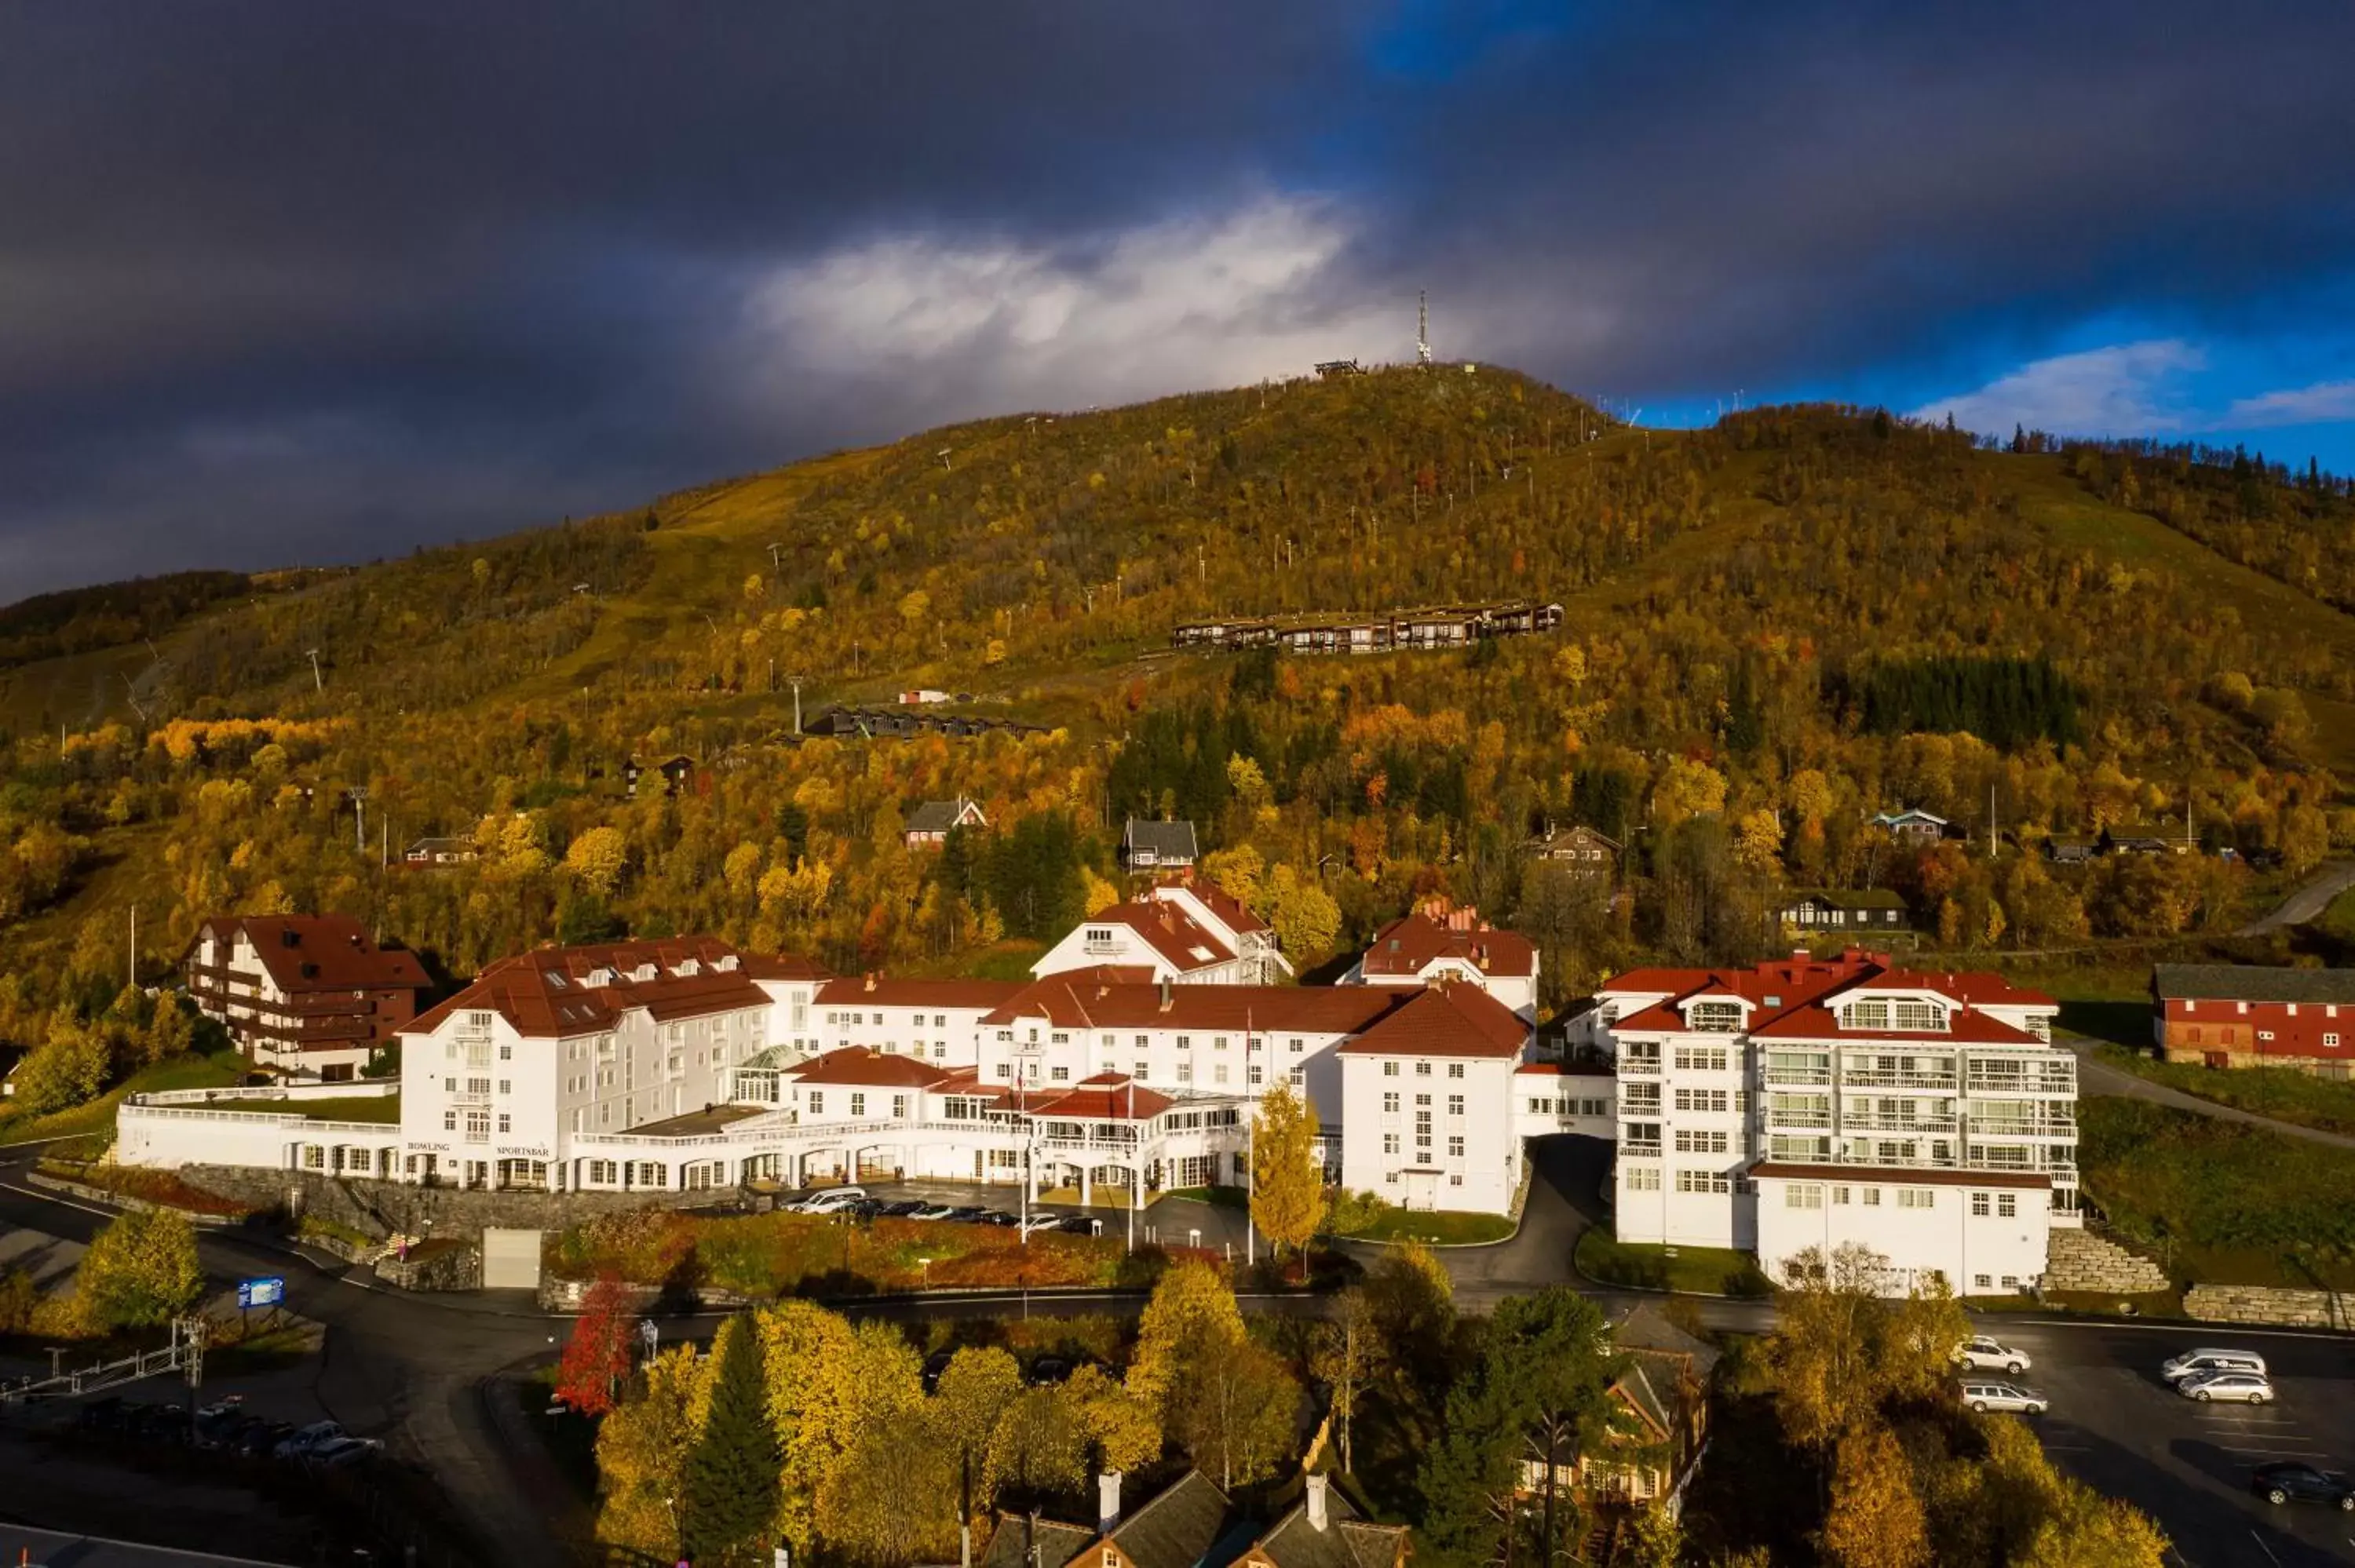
686, 1064
1807, 1103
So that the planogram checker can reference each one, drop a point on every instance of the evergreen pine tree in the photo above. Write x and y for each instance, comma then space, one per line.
732, 1475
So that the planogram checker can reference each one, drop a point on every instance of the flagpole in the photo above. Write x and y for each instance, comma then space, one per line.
1251, 1155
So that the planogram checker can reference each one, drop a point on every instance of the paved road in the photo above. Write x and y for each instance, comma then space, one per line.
425, 1373
2313, 897
2096, 1077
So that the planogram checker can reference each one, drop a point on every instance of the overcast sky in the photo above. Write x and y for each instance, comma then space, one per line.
294, 283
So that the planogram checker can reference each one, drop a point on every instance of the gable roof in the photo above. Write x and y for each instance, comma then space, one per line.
1444, 1020
860, 1067
2250, 982
1168, 841
316, 952
1183, 942
1231, 911
1107, 1096
940, 816
1348, 1541
1095, 999
884, 990
547, 994
1794, 996
1874, 898
1056, 1544
1190, 1524
1412, 943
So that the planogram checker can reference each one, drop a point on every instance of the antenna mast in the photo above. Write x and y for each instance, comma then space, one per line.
1423, 326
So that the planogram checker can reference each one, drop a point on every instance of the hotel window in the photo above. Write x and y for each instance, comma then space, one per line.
504, 1086
506, 1053
1389, 1069
1691, 1142
1004, 1071
506, 1125
2330, 1041
1700, 1100
817, 1101
2007, 1206
857, 1105
1143, 1069
1871, 1197
1060, 1075
1700, 1058
898, 1106
1298, 1077
1921, 1015
1390, 1143
1185, 1042
1455, 1146
1217, 1042
1980, 1206
449, 1121
1185, 1071
1455, 1070
1391, 1102
1839, 1196
1714, 1017
1917, 1198
1253, 1076
1703, 1182
1802, 1195
1639, 1178
1456, 1104
1297, 1044
1422, 1069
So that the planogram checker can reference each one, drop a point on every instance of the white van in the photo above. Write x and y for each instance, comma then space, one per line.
829, 1200
2201, 1362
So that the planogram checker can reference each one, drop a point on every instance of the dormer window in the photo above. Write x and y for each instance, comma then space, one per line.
1865, 1015
1713, 1017
645, 974
600, 976
1928, 1017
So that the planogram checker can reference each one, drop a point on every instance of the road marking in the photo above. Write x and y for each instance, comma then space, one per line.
54, 1198
2263, 1548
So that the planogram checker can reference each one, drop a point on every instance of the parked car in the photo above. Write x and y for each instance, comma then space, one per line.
315, 1436
1047, 1371
832, 1200
1000, 1218
261, 1441
1980, 1354
900, 1208
1038, 1222
341, 1452
105, 1414
2200, 1362
1081, 1226
2291, 1482
2251, 1387
933, 1211
935, 1365
1987, 1396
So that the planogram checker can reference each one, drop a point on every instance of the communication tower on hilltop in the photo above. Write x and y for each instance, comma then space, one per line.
1423, 326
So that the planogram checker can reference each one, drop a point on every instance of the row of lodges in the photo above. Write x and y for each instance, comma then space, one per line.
1443, 626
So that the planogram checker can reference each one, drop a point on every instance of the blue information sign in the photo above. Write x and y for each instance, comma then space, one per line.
261, 1292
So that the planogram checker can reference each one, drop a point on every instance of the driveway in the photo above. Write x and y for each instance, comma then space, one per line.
2312, 897
2096, 1077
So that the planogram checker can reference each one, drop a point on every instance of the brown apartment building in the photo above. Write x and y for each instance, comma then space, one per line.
303, 994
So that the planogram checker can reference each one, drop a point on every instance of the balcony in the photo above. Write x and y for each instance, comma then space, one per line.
1778, 1119
2062, 1086
1930, 1124
1806, 1077
1640, 1066
1862, 1078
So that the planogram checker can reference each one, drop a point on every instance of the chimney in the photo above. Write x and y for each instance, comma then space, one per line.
1168, 994
1107, 1502
1317, 1516
870, 980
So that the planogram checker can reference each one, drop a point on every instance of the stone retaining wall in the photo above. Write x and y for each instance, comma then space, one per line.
126, 1201
434, 1267
2271, 1304
382, 1208
570, 1295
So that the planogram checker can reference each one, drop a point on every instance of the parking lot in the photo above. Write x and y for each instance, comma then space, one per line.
2116, 1424
1170, 1221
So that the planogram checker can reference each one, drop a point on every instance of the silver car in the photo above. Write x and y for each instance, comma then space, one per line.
2251, 1388
2207, 1359
1984, 1397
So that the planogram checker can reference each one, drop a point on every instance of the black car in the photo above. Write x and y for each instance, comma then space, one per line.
1079, 1226
1047, 1371
2284, 1483
261, 1441
900, 1208
103, 1415
967, 1214
863, 1208
997, 1217
935, 1365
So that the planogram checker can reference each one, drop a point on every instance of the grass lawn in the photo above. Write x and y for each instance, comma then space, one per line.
2338, 919
357, 1108
1222, 1197
1440, 1227
220, 1070
2276, 1092
1701, 1271
2223, 1204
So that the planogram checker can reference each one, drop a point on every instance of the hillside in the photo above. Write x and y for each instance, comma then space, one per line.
1774, 627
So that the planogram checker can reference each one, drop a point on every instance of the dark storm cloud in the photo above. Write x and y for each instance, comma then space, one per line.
284, 282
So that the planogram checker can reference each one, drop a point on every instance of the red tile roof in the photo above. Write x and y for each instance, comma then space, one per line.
1792, 997
1458, 1020
1565, 1069
855, 1064
328, 952
1410, 944
547, 993
884, 990
1107, 1096
784, 967
1183, 942
1086, 999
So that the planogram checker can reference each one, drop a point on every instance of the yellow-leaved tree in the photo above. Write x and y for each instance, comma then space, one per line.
1287, 1199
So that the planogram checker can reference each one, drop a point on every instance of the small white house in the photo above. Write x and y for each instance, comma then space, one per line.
1183, 932
1439, 943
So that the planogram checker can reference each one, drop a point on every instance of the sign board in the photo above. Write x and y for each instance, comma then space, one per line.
261, 1292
